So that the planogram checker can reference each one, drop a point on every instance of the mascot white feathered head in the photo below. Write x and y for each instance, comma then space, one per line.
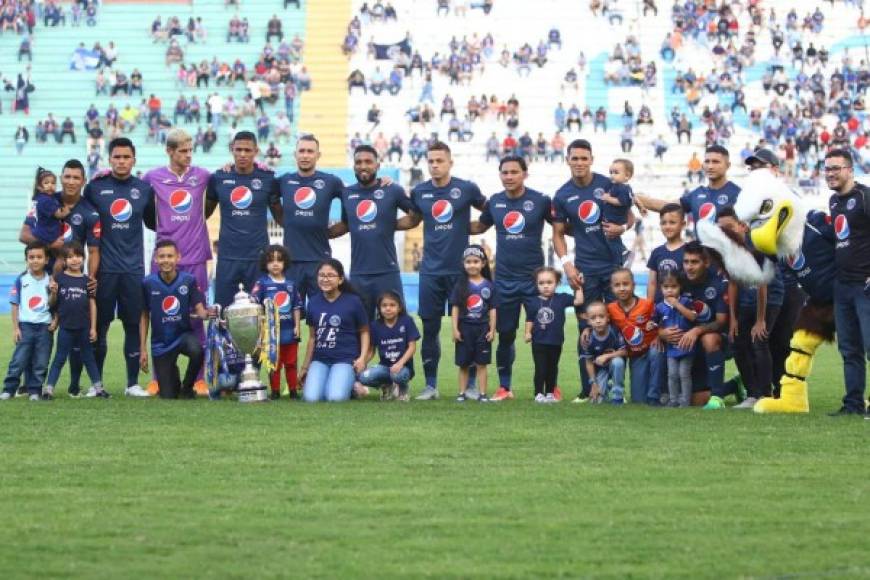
776, 217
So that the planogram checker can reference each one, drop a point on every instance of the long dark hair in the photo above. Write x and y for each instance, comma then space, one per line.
394, 296
41, 173
345, 286
270, 252
462, 293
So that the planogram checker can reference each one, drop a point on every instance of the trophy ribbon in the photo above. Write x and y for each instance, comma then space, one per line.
271, 334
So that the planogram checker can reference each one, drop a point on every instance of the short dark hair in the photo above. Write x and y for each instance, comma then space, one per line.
73, 248
670, 275
548, 270
308, 137
439, 146
165, 243
727, 211
672, 208
696, 248
274, 249
623, 270
842, 153
36, 245
244, 136
365, 149
121, 142
74, 164
513, 159
579, 144
717, 149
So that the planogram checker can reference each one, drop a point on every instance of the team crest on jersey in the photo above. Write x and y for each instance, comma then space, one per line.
841, 226
545, 315
668, 265
710, 293
589, 212
402, 328
193, 181
37, 304
241, 197
366, 211
485, 292
335, 320
135, 193
514, 222
171, 305
442, 211
256, 184
850, 205
180, 201
528, 205
318, 184
633, 335
183, 290
121, 210
76, 219
455, 193
304, 198
378, 194
722, 199
474, 304
598, 193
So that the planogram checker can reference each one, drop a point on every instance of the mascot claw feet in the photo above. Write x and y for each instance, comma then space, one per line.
793, 399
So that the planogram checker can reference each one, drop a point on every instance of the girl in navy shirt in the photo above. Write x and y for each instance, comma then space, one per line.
338, 338
545, 329
76, 316
676, 311
395, 337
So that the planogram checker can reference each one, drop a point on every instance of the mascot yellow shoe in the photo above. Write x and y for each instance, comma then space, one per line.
793, 397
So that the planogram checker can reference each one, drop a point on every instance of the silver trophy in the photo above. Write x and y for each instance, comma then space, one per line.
245, 319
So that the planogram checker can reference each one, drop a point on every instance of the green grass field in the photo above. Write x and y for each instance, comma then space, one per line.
132, 488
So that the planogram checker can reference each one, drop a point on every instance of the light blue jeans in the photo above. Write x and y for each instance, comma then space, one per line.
645, 371
328, 382
380, 376
614, 372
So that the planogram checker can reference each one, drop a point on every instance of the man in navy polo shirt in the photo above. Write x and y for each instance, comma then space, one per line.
850, 211
123, 203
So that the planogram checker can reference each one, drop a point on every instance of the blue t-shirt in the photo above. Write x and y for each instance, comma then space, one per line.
812, 265
121, 206
548, 316
31, 296
46, 227
519, 228
82, 224
481, 299
852, 234
666, 316
370, 215
336, 327
307, 201
244, 202
709, 296
598, 345
286, 296
661, 261
618, 214
393, 342
704, 203
169, 305
446, 215
582, 208
73, 303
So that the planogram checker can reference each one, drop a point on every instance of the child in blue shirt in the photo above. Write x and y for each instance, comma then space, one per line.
395, 337
675, 311
604, 356
617, 204
49, 211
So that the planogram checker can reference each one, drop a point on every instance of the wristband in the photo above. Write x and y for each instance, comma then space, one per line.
565, 259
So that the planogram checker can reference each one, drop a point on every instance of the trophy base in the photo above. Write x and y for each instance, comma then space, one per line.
250, 389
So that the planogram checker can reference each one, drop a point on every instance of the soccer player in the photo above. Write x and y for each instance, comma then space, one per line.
850, 210
244, 193
368, 212
519, 215
577, 206
445, 203
123, 203
704, 202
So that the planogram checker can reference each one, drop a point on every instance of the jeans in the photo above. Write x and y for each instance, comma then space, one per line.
328, 382
380, 376
614, 372
644, 376
30, 358
67, 340
852, 317
680, 381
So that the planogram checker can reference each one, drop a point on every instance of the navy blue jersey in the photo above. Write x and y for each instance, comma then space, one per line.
662, 261
748, 296
73, 303
46, 227
548, 316
82, 224
789, 276
618, 214
286, 295
666, 316
121, 205
481, 299
598, 345
446, 215
307, 201
336, 327
519, 228
370, 215
709, 296
851, 218
244, 202
582, 208
169, 306
704, 203
392, 342
812, 265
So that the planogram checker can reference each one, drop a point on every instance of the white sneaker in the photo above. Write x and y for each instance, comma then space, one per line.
4, 396
747, 403
35, 398
134, 391
428, 394
472, 394
540, 398
551, 398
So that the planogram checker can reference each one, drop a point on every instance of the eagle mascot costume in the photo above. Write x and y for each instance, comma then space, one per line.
783, 229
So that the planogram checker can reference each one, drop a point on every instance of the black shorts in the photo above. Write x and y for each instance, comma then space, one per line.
511, 294
435, 290
229, 274
474, 348
121, 293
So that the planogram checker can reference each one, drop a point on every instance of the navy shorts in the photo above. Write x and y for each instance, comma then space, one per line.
434, 296
370, 286
597, 287
121, 293
474, 348
305, 276
229, 274
510, 295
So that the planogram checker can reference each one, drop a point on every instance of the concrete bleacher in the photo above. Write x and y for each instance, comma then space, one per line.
65, 92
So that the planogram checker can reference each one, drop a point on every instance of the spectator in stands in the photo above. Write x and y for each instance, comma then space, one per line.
626, 140
24, 49
136, 82
21, 138
274, 28
356, 79
174, 53
119, 83
492, 148
660, 147
273, 155
557, 147
509, 145
416, 149
695, 168
600, 119
395, 148
67, 128
288, 2
209, 139
374, 116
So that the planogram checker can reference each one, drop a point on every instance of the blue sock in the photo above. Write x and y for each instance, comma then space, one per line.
716, 372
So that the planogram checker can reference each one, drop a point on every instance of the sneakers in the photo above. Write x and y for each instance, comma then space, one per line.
714, 404
557, 394
403, 397
428, 394
21, 392
741, 391
845, 412
4, 396
617, 402
483, 398
580, 399
747, 403
360, 390
136, 391
153, 388
98, 392
389, 393
74, 394
503, 394
551, 398
460, 398
275, 395
472, 393
34, 398
48, 394
200, 388
294, 394
540, 398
